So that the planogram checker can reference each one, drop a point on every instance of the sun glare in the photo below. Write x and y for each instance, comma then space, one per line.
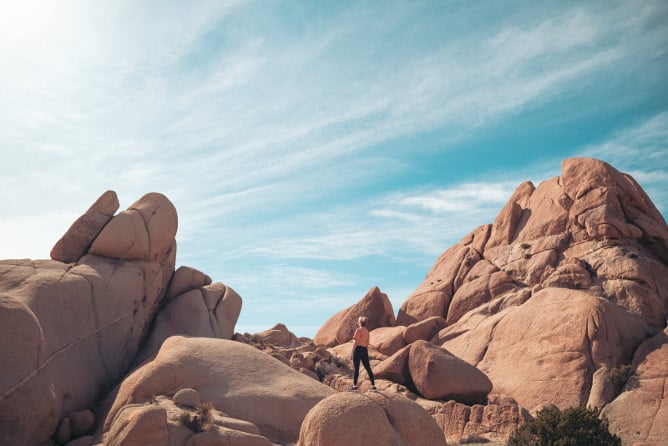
26, 23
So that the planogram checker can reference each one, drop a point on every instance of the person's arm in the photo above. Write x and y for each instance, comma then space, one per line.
352, 350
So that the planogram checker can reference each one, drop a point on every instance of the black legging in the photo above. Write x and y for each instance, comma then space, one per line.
361, 354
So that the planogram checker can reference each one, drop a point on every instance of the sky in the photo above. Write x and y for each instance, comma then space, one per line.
316, 149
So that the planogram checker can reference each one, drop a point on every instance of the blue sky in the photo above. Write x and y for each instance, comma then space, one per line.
315, 149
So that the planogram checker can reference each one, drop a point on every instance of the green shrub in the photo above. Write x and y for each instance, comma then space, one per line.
577, 426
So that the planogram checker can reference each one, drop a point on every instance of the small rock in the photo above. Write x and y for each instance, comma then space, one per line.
187, 397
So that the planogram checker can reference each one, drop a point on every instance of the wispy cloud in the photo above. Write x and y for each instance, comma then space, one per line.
274, 127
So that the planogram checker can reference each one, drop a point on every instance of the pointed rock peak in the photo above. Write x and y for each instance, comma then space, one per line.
74, 243
375, 305
588, 229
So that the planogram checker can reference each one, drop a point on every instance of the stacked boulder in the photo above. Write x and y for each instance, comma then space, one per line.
555, 299
71, 327
553, 303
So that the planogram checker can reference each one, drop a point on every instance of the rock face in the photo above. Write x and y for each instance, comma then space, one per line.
570, 335
639, 414
562, 300
237, 379
208, 311
340, 328
370, 419
70, 331
552, 300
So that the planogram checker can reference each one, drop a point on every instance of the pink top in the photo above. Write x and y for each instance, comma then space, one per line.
361, 337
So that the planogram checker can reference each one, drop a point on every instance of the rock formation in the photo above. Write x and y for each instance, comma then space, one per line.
71, 327
238, 380
562, 300
553, 299
340, 328
551, 303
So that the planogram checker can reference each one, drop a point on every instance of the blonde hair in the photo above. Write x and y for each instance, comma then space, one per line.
363, 320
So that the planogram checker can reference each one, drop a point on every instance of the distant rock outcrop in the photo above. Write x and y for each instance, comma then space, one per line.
340, 328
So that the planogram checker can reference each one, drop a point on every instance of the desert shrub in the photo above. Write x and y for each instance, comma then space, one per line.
192, 422
205, 409
577, 426
198, 420
620, 375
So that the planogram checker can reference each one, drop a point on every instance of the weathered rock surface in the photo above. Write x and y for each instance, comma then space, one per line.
370, 419
163, 421
279, 335
597, 247
237, 379
435, 374
549, 348
73, 245
495, 420
587, 229
388, 340
640, 414
558, 301
340, 328
209, 311
70, 331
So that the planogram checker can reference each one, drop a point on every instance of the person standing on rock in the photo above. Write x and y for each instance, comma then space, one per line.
360, 352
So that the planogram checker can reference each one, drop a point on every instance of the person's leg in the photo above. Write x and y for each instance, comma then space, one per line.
367, 366
356, 364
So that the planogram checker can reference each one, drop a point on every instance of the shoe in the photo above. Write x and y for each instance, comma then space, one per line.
373, 389
352, 389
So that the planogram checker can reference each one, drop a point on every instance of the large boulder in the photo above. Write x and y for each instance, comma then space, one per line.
81, 326
340, 328
435, 373
236, 378
142, 232
547, 349
439, 375
387, 340
370, 419
210, 311
639, 415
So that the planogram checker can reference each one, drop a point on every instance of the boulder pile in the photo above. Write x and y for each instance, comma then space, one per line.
561, 301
